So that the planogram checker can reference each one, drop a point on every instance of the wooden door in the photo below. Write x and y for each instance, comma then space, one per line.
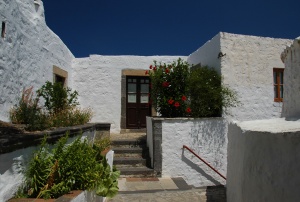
137, 101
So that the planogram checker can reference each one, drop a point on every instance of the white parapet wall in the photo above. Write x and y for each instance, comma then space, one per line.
207, 137
246, 65
29, 50
98, 79
291, 95
263, 161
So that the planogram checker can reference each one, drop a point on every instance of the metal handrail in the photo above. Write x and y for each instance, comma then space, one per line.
186, 147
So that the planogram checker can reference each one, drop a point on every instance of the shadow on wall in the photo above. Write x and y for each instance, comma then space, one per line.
209, 138
198, 169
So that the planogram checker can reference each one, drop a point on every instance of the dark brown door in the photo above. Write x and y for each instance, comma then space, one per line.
137, 104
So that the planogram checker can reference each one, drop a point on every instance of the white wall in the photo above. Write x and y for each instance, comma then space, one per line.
98, 81
246, 67
28, 51
263, 161
291, 94
207, 137
207, 55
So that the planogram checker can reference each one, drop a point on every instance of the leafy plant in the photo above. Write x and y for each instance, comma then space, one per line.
59, 108
57, 98
209, 98
77, 166
169, 87
103, 143
177, 90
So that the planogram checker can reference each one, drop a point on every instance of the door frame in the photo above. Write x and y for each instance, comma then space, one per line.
125, 73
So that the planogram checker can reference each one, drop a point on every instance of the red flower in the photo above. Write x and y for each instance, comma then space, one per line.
167, 71
165, 84
188, 110
154, 68
176, 104
170, 101
150, 67
146, 72
183, 98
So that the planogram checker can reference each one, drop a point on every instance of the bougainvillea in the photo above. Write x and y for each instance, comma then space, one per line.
169, 88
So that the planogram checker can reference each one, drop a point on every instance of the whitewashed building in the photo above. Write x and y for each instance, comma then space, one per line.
33, 54
248, 65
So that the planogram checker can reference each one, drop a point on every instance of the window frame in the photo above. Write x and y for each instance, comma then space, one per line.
278, 84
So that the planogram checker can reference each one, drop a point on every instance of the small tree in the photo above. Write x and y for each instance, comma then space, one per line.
209, 98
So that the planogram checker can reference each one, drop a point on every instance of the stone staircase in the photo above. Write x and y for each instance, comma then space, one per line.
132, 156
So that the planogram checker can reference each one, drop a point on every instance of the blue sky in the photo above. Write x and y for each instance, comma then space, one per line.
164, 27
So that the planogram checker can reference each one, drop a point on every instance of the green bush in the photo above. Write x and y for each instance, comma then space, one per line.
177, 90
77, 166
59, 108
57, 98
208, 96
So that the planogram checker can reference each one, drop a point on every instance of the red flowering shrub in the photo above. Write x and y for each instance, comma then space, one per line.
169, 88
178, 91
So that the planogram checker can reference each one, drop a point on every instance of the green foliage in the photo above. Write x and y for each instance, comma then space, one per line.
77, 166
27, 111
57, 98
178, 91
70, 117
103, 143
208, 96
60, 108
169, 87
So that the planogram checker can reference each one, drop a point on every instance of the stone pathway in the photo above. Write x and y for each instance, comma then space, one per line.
165, 190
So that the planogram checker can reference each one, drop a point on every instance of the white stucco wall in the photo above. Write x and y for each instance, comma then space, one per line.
207, 55
263, 161
246, 67
98, 81
291, 93
28, 51
207, 137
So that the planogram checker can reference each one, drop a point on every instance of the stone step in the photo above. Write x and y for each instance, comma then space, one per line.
129, 143
136, 172
130, 150
131, 161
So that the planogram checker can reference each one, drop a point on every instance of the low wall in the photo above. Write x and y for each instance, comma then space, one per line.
263, 161
207, 137
17, 149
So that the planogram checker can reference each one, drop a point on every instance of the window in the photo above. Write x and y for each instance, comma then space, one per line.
278, 84
3, 30
60, 76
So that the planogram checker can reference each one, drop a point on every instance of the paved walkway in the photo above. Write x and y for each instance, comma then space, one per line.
165, 190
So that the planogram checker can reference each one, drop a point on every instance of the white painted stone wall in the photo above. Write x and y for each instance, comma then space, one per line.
207, 137
98, 81
28, 51
207, 55
263, 161
291, 93
246, 67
